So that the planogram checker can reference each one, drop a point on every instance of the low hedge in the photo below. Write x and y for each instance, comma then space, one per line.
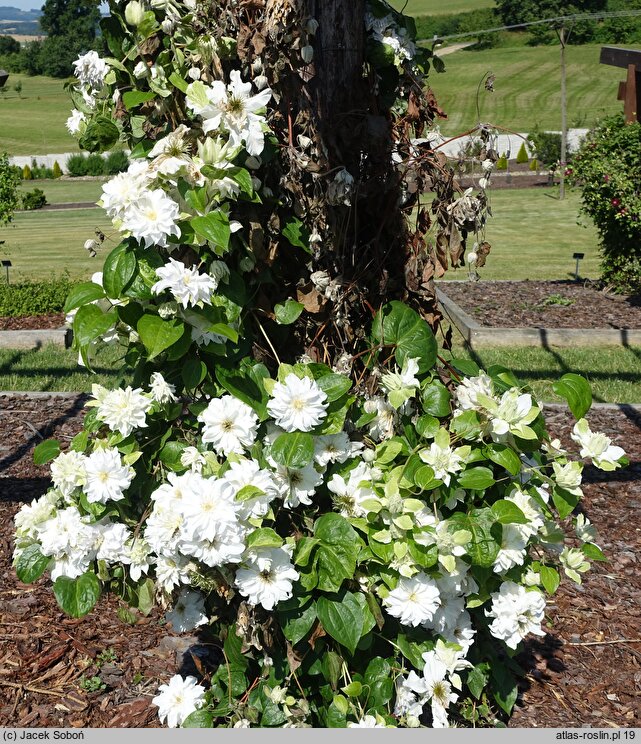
34, 298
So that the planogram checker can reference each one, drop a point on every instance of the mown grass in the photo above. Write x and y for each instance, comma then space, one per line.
53, 369
614, 372
533, 236
438, 7
34, 122
40, 244
527, 90
65, 191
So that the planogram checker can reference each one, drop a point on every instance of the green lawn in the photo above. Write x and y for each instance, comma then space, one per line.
614, 373
40, 244
438, 7
533, 236
34, 124
62, 190
56, 369
527, 90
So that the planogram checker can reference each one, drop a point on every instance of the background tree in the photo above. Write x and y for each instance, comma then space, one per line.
71, 27
9, 184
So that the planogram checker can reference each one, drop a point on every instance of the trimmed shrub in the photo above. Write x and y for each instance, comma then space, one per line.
522, 156
607, 169
534, 164
35, 199
34, 298
96, 165
77, 165
116, 162
501, 163
26, 173
547, 146
56, 170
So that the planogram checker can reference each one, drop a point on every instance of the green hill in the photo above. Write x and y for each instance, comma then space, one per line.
527, 90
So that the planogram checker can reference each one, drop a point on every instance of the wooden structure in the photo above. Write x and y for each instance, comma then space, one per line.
4, 76
630, 90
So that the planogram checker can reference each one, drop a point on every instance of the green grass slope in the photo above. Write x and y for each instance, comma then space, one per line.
527, 90
438, 7
66, 191
34, 122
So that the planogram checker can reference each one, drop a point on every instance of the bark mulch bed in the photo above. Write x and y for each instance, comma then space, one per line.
33, 322
44, 655
540, 304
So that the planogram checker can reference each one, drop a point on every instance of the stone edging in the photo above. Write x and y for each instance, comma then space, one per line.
36, 339
480, 336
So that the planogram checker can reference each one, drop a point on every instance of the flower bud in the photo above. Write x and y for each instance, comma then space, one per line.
134, 13
312, 26
261, 82
168, 26
368, 455
141, 70
472, 257
193, 73
307, 53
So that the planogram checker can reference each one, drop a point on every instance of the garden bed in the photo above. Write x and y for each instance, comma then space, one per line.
44, 655
544, 304
33, 322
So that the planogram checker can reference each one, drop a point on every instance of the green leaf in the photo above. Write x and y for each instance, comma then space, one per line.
83, 294
593, 552
233, 650
133, 98
507, 512
146, 596
576, 391
476, 479
297, 622
100, 135
304, 549
119, 270
213, 227
265, 537
413, 645
178, 82
31, 564
353, 689
400, 326
46, 451
564, 501
332, 667
296, 233
246, 384
80, 442
378, 678
342, 618
90, 322
334, 386
337, 552
157, 334
77, 597
477, 679
202, 718
467, 425
504, 686
436, 399
486, 534
193, 372
427, 426
549, 578
293, 450
288, 312
170, 455
504, 456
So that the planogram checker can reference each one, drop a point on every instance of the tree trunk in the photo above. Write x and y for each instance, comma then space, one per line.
336, 141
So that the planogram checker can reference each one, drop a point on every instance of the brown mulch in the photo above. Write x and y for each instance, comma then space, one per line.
44, 655
536, 304
32, 322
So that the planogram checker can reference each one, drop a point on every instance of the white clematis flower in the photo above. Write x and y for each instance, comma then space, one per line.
186, 285
414, 601
188, 612
229, 425
107, 477
597, 446
267, 578
178, 699
151, 218
298, 404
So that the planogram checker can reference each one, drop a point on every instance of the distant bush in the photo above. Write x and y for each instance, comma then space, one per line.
77, 165
96, 165
116, 162
501, 163
56, 170
8, 45
607, 169
547, 146
458, 23
26, 173
522, 156
34, 298
534, 164
35, 199
40, 171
